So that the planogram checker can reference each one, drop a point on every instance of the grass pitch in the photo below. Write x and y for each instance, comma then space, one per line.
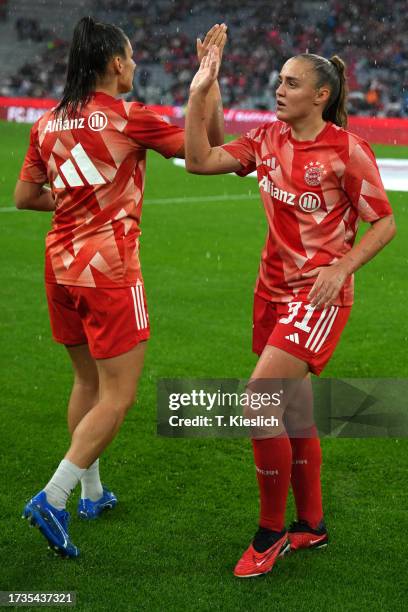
188, 508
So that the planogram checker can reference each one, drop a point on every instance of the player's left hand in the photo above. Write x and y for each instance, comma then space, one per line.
328, 284
207, 73
217, 36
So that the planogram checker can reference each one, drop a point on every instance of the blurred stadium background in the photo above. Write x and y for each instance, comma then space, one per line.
370, 36
188, 507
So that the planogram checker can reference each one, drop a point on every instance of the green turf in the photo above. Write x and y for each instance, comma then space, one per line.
188, 507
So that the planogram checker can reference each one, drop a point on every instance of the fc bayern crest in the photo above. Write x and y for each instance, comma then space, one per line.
314, 172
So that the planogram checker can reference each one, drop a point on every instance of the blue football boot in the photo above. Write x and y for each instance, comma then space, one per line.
52, 523
89, 510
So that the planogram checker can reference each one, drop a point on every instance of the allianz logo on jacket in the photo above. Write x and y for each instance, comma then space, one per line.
309, 202
96, 121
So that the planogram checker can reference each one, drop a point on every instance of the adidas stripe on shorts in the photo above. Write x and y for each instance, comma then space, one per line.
110, 321
299, 329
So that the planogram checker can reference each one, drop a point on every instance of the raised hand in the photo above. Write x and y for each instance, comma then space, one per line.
207, 73
217, 36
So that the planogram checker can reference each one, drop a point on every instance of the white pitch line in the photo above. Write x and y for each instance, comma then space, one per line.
215, 198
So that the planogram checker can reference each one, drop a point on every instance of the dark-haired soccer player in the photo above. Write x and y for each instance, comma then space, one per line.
91, 149
316, 181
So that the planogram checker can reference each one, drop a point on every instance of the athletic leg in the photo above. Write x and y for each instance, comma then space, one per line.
306, 456
84, 395
85, 389
272, 451
304, 441
273, 462
118, 378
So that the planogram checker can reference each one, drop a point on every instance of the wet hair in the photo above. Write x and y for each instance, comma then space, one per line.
331, 72
93, 46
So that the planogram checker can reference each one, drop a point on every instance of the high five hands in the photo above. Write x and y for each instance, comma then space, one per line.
217, 36
207, 73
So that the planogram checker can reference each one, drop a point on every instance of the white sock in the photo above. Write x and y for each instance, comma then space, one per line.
91, 486
66, 478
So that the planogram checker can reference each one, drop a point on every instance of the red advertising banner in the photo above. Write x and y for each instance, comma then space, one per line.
375, 130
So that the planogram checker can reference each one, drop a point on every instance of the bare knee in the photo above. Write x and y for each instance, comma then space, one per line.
127, 402
264, 413
297, 420
118, 378
90, 385
264, 397
119, 404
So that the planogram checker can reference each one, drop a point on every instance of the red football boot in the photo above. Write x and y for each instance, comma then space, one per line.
254, 563
301, 535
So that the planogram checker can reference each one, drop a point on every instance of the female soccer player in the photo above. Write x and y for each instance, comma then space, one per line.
91, 149
316, 180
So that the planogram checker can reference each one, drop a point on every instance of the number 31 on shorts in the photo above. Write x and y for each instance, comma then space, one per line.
294, 308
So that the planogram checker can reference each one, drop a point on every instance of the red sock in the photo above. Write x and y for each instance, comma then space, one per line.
273, 459
305, 479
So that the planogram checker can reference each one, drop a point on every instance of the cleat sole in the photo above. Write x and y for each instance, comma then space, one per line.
252, 575
34, 522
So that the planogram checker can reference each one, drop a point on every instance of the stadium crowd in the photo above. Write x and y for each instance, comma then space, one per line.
370, 37
3, 9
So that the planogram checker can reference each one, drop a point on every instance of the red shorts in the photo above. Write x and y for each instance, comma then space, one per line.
110, 321
299, 329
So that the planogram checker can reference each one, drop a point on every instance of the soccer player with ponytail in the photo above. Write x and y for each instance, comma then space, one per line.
316, 181
91, 149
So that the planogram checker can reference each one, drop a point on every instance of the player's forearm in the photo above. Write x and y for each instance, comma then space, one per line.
198, 147
45, 202
375, 239
214, 116
41, 201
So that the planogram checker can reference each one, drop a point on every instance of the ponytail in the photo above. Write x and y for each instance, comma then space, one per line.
331, 72
93, 46
336, 111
